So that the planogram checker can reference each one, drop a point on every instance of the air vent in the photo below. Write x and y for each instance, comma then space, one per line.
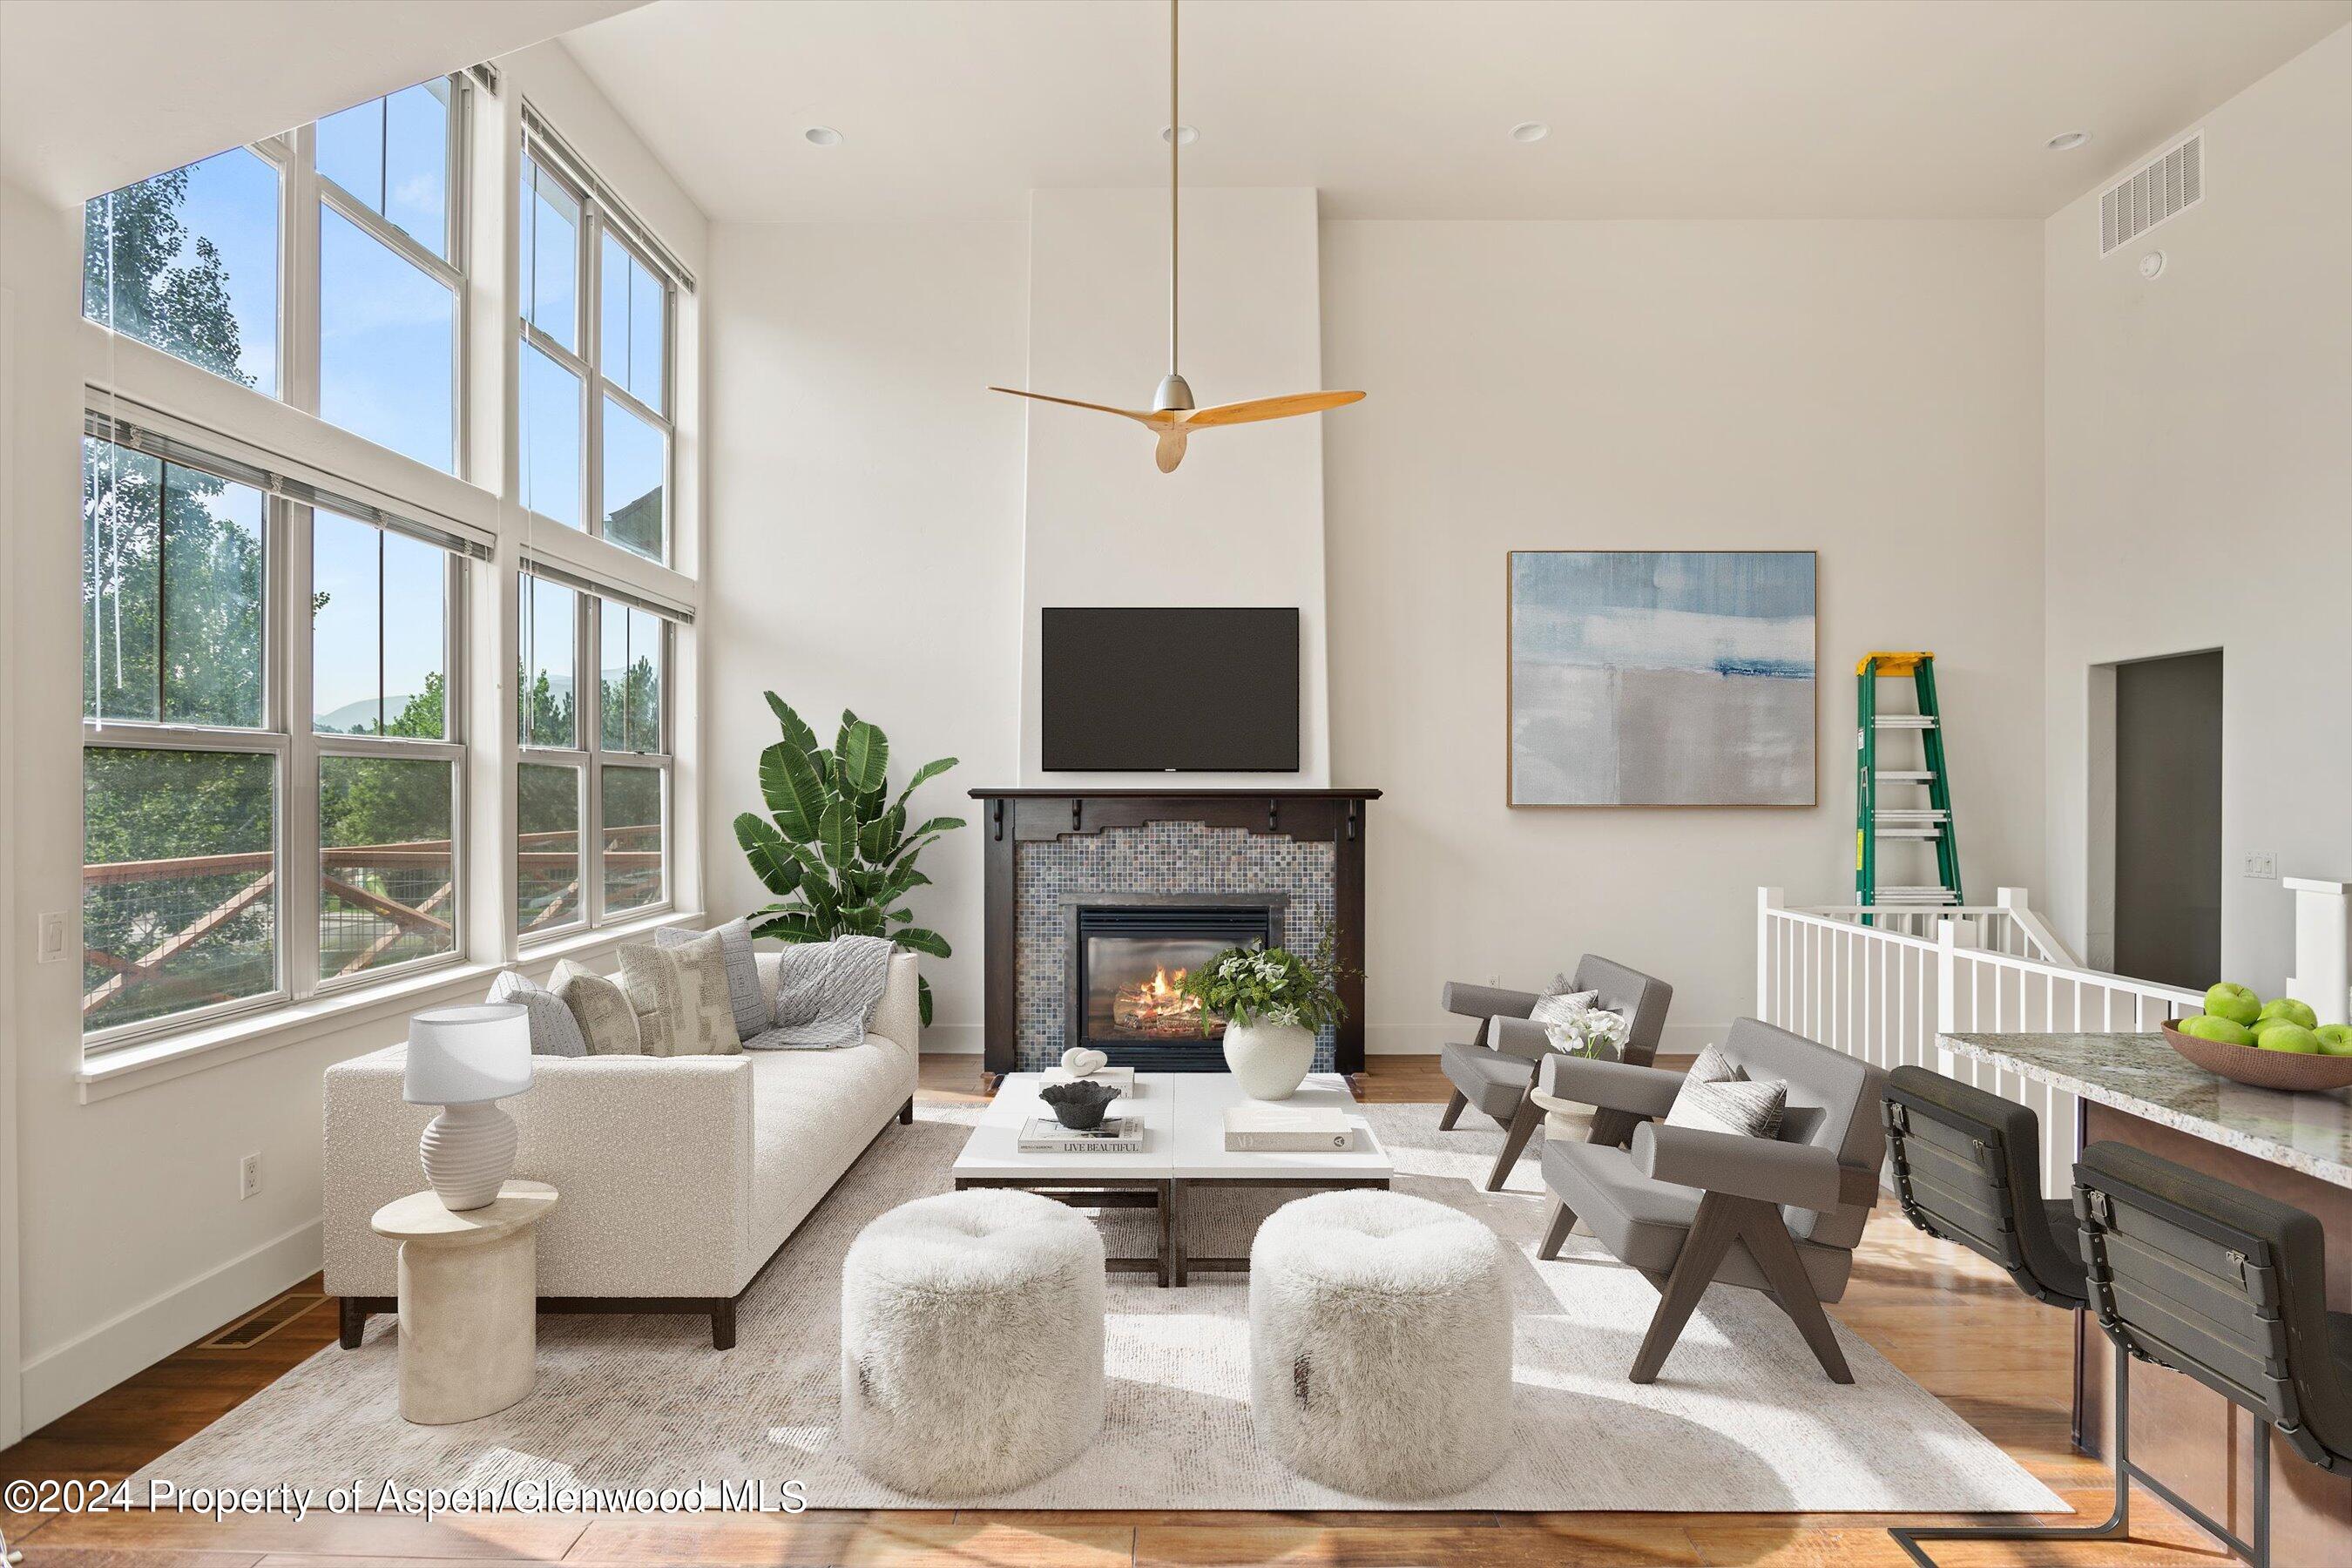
2166, 187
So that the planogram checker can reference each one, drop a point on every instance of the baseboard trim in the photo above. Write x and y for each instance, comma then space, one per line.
83, 1368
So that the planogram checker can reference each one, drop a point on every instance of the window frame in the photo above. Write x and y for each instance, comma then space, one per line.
285, 735
597, 222
590, 758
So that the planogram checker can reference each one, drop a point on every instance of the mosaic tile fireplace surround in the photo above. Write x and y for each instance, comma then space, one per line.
1145, 874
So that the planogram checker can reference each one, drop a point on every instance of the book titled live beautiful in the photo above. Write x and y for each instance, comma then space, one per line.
1267, 1129
1118, 1135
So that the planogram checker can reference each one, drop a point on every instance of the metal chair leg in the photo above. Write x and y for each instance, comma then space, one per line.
2114, 1526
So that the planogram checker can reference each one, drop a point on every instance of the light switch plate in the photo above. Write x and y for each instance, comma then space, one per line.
2263, 864
53, 937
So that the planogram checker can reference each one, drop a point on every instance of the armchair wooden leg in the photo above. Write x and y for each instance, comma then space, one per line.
1520, 1128
1792, 1288
1713, 1230
1558, 1222
1452, 1111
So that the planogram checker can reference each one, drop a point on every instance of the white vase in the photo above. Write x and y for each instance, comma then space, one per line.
1270, 1059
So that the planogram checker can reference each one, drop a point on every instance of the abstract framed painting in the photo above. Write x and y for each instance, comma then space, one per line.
1662, 678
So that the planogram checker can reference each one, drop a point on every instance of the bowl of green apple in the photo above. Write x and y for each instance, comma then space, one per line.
2278, 1043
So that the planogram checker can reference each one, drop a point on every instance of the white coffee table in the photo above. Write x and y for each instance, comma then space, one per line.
1183, 1148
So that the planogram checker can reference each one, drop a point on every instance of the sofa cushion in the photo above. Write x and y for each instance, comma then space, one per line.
812, 1112
1643, 1222
744, 996
667, 997
704, 955
607, 1021
554, 1032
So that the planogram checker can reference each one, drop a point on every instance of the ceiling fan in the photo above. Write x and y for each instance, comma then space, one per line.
1172, 415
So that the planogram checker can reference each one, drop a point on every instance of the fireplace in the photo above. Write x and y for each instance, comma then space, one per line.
1129, 953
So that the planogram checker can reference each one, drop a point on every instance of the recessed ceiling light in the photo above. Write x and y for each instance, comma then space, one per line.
1185, 135
1529, 131
822, 136
2067, 140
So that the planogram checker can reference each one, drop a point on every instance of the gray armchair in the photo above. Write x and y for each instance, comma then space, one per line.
1690, 1209
1495, 1070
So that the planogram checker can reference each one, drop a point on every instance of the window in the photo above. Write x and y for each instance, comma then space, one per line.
193, 782
191, 262
594, 433
188, 262
597, 767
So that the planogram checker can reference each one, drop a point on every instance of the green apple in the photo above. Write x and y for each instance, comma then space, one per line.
2206, 1027
2235, 1003
2334, 1039
2287, 1010
2289, 1037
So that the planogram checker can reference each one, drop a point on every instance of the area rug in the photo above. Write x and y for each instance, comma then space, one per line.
1742, 1419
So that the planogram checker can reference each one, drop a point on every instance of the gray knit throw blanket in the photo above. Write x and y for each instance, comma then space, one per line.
825, 992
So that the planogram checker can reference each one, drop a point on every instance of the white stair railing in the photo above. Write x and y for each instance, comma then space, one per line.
1883, 993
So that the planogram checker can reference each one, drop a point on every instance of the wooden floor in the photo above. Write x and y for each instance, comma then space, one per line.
1954, 1323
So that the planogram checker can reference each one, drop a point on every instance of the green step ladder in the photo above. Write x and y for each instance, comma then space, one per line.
1872, 822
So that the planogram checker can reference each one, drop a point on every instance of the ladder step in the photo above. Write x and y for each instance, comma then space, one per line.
1916, 896
1905, 721
1905, 815
1910, 833
1903, 775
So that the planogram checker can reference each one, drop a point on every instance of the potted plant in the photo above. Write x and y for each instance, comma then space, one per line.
835, 849
1271, 1001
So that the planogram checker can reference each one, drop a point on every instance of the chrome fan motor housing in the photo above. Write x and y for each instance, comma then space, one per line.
1174, 394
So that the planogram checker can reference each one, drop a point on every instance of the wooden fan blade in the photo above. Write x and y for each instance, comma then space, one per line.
1139, 419
1171, 449
1269, 408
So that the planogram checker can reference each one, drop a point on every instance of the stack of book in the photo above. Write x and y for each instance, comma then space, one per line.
1116, 1135
1263, 1128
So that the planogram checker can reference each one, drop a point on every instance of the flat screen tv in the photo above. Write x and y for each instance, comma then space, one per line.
1169, 690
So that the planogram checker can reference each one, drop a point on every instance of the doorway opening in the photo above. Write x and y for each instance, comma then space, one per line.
2161, 792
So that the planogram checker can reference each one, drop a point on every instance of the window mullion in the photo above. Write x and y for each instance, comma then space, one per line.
589, 285
298, 285
297, 857
590, 663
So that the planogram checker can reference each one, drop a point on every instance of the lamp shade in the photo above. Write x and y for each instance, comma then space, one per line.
464, 1055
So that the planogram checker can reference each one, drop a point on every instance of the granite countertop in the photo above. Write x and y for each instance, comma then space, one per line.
2142, 1075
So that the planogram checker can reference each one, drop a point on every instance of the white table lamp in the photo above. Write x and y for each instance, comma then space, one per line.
465, 1060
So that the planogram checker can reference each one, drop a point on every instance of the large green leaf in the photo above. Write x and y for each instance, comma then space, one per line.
924, 774
876, 840
793, 790
902, 882
922, 941
864, 755
771, 858
870, 804
834, 836
923, 994
796, 729
938, 825
792, 927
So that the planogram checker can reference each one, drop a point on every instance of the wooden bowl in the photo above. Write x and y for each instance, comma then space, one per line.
2261, 1068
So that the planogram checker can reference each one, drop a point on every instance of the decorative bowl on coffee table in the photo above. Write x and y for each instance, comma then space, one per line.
2260, 1069
1079, 1104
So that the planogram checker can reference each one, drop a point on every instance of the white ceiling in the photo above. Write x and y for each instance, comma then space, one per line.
96, 93
1402, 108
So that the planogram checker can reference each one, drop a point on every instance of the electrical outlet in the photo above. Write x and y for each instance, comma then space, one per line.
1495, 981
2264, 865
248, 1176
53, 937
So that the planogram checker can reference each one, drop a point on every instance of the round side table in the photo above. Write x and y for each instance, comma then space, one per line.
468, 1301
1570, 1121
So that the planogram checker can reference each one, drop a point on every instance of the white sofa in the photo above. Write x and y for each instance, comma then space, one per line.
680, 1178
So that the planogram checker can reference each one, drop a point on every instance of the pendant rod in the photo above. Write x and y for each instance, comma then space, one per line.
1175, 140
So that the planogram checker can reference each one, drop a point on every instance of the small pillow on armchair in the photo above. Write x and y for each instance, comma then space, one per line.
1718, 1097
1560, 1006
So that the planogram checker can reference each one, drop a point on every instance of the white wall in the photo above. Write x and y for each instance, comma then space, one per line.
1871, 391
865, 516
2199, 490
1240, 521
132, 1238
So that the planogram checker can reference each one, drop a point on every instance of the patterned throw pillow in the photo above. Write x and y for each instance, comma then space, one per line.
747, 1000
704, 958
554, 1032
1718, 1097
667, 997
606, 1021
1560, 1006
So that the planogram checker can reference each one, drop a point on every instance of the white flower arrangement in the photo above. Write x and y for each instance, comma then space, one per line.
1596, 1032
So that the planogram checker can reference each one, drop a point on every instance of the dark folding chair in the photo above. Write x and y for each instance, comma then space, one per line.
1967, 1169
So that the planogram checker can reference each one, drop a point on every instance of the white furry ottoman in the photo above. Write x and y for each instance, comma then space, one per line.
1380, 1343
972, 1342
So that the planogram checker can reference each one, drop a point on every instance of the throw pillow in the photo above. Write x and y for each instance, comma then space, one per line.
705, 957
606, 1021
666, 998
1716, 1097
554, 1032
747, 1000
1560, 1006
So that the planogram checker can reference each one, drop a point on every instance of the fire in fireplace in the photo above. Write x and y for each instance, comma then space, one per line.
1131, 959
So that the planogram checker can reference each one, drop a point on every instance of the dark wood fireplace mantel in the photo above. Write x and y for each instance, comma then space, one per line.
1011, 817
